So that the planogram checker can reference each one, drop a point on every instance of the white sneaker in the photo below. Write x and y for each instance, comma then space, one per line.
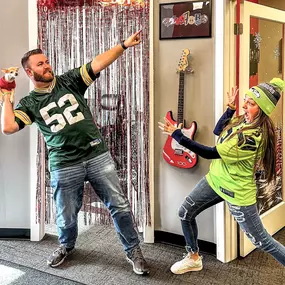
187, 264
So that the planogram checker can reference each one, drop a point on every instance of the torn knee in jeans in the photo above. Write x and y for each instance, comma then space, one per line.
183, 210
189, 201
253, 240
237, 214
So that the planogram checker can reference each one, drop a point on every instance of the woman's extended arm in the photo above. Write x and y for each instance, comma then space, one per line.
223, 121
204, 151
201, 150
225, 118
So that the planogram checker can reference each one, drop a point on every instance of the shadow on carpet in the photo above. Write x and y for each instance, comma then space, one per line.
99, 259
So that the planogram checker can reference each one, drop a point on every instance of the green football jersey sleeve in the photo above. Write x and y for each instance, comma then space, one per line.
23, 116
64, 118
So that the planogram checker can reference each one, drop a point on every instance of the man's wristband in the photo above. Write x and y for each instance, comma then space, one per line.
123, 45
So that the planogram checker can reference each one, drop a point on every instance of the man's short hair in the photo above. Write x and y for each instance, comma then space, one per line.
27, 55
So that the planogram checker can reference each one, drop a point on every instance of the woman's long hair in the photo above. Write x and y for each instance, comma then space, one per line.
268, 141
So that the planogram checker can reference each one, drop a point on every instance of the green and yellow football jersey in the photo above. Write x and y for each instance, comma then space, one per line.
64, 118
232, 176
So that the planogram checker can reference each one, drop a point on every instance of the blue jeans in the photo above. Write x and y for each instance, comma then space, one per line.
203, 197
68, 185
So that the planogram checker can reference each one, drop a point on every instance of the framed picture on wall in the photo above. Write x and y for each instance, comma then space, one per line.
188, 19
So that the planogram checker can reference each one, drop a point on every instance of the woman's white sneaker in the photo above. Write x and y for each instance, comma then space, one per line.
187, 264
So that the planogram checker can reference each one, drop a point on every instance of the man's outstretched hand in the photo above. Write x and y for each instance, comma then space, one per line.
133, 40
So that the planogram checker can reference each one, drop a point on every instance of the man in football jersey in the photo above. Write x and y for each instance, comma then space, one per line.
77, 152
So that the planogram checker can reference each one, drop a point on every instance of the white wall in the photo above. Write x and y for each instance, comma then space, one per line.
14, 150
173, 184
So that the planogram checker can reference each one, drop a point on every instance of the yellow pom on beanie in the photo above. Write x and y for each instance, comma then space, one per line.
278, 83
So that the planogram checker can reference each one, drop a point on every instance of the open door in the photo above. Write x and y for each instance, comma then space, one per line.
261, 59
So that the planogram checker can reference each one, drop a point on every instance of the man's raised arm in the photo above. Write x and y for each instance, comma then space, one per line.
103, 60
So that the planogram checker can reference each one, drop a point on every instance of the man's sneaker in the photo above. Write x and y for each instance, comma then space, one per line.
138, 262
187, 264
59, 255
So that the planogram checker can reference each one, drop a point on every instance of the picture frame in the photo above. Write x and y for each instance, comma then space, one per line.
184, 20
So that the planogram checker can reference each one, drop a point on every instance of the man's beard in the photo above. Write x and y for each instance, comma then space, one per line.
40, 78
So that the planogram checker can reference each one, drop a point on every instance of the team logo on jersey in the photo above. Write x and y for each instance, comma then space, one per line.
246, 142
95, 142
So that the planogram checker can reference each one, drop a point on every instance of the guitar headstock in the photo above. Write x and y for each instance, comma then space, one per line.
183, 65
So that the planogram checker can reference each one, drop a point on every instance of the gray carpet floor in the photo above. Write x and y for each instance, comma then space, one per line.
99, 259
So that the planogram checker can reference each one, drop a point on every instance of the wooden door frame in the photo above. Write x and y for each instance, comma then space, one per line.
148, 231
225, 226
233, 247
269, 218
37, 229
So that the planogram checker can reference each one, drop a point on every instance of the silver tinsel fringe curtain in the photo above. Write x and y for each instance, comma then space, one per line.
72, 32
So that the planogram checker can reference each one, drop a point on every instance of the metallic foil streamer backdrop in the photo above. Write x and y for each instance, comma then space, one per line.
72, 32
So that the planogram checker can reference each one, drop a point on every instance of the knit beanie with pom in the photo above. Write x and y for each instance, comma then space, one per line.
266, 95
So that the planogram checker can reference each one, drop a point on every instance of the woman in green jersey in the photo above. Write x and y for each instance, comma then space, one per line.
246, 143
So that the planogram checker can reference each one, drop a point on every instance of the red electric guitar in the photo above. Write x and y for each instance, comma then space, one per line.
173, 152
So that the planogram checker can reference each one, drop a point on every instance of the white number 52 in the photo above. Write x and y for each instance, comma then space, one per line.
61, 119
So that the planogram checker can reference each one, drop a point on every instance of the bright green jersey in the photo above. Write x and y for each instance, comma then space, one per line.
232, 176
62, 115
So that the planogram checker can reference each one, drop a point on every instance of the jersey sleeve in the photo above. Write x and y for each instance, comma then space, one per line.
23, 116
242, 146
223, 121
81, 78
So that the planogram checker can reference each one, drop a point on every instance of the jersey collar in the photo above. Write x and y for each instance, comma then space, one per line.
48, 89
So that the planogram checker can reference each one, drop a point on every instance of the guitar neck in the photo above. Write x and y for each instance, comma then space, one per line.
180, 112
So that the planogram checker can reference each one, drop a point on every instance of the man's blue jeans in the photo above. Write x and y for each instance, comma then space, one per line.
68, 184
203, 197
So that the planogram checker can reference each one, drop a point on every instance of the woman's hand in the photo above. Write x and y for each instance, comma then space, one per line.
167, 127
232, 97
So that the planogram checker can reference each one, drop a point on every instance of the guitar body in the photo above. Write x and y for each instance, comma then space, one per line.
174, 153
